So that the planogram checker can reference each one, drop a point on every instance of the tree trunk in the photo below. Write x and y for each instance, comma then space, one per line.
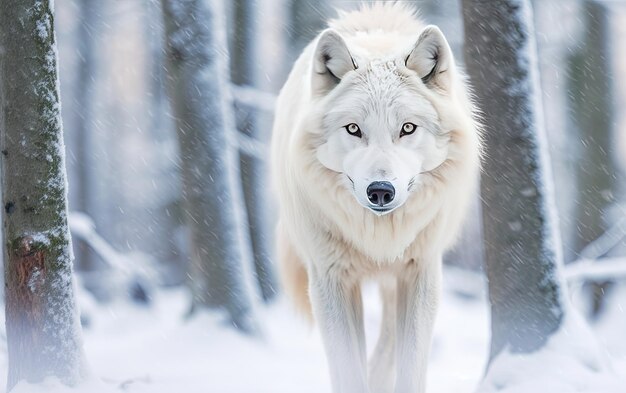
307, 19
82, 121
253, 170
559, 41
43, 331
522, 244
590, 71
214, 209
272, 51
163, 215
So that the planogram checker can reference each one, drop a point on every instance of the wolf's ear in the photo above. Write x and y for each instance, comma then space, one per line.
331, 61
431, 58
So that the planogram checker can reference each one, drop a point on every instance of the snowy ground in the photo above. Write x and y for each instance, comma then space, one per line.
156, 350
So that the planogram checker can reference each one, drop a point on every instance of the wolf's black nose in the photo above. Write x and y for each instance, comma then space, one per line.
381, 193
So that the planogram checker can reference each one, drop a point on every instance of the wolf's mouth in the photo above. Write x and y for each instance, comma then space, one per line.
381, 210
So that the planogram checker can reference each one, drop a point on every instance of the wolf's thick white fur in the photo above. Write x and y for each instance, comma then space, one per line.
376, 67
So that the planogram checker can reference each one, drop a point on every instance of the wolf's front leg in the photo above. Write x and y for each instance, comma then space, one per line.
382, 366
338, 309
418, 299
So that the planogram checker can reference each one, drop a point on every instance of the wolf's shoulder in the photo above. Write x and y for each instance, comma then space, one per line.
394, 17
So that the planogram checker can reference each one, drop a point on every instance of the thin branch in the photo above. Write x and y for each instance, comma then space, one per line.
607, 241
255, 98
83, 227
596, 270
250, 146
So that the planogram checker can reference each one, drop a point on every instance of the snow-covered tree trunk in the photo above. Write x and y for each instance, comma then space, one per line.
591, 78
197, 58
253, 169
522, 244
557, 43
272, 51
83, 118
163, 213
307, 18
43, 328
468, 250
590, 72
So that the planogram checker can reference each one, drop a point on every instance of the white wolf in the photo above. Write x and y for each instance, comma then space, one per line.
375, 156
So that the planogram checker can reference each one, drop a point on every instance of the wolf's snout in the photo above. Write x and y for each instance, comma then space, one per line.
381, 193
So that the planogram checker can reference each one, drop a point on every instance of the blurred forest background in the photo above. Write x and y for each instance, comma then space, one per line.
133, 231
124, 163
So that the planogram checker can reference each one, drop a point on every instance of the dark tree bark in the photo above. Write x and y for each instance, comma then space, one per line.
522, 244
43, 331
253, 169
197, 58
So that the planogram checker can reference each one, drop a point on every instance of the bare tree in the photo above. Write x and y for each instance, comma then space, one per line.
83, 105
43, 331
214, 209
307, 19
522, 244
253, 169
82, 118
163, 210
590, 71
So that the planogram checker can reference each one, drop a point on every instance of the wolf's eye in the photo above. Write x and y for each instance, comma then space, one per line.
408, 129
353, 129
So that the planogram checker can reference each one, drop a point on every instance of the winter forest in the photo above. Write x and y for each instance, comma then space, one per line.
139, 246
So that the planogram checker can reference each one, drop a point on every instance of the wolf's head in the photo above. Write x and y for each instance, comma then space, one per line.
380, 122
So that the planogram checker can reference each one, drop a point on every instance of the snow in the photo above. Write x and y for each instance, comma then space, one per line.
43, 28
549, 371
159, 350
34, 280
576, 359
570, 362
40, 238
